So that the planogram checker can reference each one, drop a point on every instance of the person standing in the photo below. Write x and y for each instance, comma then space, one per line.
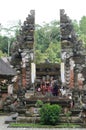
43, 88
55, 89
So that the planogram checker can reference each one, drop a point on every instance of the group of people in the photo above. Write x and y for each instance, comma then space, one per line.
52, 88
49, 88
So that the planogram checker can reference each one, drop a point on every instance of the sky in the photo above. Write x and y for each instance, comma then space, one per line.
45, 10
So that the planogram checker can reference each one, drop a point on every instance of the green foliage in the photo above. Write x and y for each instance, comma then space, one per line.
47, 39
3, 44
39, 103
4, 41
30, 125
7, 36
42, 39
83, 37
80, 29
40, 57
76, 27
82, 24
49, 114
46, 34
2, 54
53, 52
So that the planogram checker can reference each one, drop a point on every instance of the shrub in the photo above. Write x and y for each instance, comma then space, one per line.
49, 114
39, 103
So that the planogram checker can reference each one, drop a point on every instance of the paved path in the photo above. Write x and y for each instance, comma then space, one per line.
5, 126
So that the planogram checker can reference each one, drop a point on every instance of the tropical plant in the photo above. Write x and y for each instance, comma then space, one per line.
50, 114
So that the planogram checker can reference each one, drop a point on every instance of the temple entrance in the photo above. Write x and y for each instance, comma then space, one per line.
47, 73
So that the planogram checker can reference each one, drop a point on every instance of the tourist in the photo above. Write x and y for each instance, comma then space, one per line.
55, 89
43, 88
48, 89
63, 91
72, 104
51, 81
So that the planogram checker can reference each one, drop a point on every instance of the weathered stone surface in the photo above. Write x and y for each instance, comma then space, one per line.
12, 118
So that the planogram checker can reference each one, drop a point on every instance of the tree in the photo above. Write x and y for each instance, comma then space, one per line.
40, 57
4, 44
47, 43
82, 25
53, 52
76, 27
80, 29
46, 34
8, 35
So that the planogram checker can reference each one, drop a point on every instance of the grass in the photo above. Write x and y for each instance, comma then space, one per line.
30, 125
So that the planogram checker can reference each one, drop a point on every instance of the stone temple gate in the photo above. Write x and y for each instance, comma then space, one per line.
72, 52
73, 57
71, 73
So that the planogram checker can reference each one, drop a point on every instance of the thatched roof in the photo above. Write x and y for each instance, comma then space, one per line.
6, 69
